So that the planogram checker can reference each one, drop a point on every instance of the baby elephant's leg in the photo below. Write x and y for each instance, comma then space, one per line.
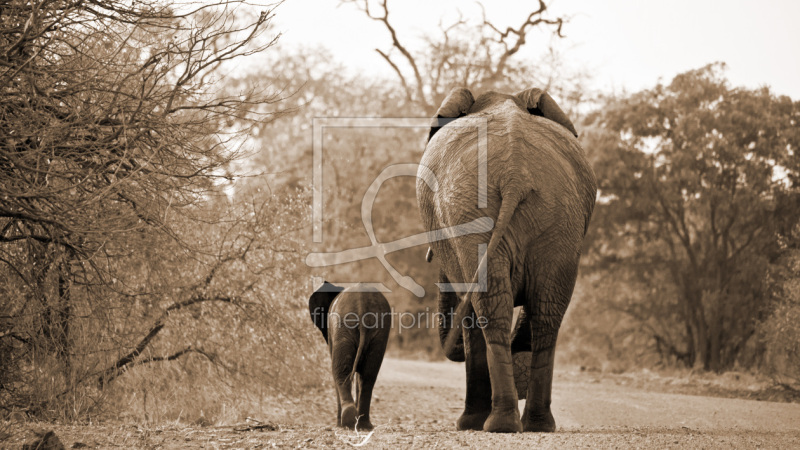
342, 357
368, 373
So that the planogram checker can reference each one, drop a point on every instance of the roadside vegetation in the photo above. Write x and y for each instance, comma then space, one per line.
155, 213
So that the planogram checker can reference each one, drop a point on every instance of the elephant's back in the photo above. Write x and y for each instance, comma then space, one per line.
532, 153
526, 157
453, 159
523, 153
360, 299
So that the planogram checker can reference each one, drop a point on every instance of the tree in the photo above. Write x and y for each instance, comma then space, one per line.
118, 132
696, 180
479, 56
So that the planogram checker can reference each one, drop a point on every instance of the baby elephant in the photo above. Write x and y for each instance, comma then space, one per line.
355, 323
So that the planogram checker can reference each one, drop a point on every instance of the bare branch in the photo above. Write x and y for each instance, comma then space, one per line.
518, 35
130, 358
456, 59
111, 376
384, 19
399, 74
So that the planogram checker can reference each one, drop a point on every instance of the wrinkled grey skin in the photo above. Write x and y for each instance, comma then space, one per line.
541, 193
356, 327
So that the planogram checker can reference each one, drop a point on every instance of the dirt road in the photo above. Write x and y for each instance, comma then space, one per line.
416, 405
588, 412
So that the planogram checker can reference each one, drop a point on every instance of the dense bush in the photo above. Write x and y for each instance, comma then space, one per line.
781, 329
120, 250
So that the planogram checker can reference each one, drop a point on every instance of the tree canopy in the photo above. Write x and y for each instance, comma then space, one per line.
697, 180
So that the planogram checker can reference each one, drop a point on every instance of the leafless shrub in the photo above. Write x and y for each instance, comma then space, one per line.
118, 248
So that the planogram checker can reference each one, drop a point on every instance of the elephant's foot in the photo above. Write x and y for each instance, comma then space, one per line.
503, 421
349, 415
364, 424
539, 422
472, 420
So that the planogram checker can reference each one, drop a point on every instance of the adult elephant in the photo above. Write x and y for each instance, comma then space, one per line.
540, 192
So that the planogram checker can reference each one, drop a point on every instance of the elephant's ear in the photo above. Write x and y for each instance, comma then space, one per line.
319, 304
540, 103
455, 105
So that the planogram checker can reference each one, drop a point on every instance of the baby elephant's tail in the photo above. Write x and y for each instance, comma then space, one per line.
362, 339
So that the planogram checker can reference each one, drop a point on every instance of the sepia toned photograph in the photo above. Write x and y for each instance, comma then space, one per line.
247, 224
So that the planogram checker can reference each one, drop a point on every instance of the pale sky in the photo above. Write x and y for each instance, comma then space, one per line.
625, 44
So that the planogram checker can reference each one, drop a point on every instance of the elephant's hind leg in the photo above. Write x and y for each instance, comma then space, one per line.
368, 374
343, 359
348, 414
496, 307
478, 402
549, 304
537, 415
364, 388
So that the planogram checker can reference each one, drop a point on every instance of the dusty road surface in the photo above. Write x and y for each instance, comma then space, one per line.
416, 405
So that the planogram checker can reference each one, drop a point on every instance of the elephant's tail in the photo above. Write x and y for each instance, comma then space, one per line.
362, 339
509, 204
